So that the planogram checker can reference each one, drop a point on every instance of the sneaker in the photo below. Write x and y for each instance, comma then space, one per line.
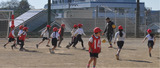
110, 46
67, 46
37, 46
59, 46
15, 47
150, 55
51, 51
84, 48
12, 46
117, 57
4, 46
74, 47
47, 46
21, 49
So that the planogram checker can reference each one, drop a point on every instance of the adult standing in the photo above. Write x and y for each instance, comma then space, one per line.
109, 31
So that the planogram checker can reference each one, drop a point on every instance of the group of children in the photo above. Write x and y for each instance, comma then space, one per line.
77, 32
95, 43
76, 36
55, 37
20, 38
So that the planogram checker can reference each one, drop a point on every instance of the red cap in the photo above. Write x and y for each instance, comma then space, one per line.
21, 27
63, 25
12, 26
120, 27
97, 29
25, 28
48, 26
80, 25
55, 29
149, 30
75, 26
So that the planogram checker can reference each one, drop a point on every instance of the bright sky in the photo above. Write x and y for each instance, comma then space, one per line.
39, 4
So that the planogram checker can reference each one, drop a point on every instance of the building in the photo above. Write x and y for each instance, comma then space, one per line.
96, 8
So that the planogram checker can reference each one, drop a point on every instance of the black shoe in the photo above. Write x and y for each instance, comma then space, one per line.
84, 48
150, 55
74, 47
37, 46
13, 46
47, 46
21, 49
4, 46
59, 46
117, 57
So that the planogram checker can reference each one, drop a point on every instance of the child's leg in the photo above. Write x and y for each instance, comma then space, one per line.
150, 51
91, 59
40, 42
94, 62
81, 41
54, 48
48, 41
118, 51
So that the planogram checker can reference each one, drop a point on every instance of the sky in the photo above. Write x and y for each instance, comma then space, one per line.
39, 4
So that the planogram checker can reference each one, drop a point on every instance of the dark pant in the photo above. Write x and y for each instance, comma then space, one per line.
72, 41
78, 38
54, 42
120, 44
109, 36
17, 40
61, 38
21, 44
150, 44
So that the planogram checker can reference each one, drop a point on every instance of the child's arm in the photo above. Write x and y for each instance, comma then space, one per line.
115, 37
144, 39
154, 40
83, 33
89, 45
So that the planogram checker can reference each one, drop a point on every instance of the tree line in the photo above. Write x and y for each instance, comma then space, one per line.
19, 7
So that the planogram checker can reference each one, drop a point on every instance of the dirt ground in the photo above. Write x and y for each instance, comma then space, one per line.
133, 55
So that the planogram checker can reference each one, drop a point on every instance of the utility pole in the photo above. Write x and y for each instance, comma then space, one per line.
49, 12
137, 19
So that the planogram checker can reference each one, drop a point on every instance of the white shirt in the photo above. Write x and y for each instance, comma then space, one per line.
20, 32
13, 33
73, 31
118, 38
55, 35
79, 31
149, 37
45, 33
91, 39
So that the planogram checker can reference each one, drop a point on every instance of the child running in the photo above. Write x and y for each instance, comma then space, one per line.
119, 38
22, 38
61, 33
151, 41
79, 31
20, 32
94, 46
11, 37
73, 36
45, 35
55, 37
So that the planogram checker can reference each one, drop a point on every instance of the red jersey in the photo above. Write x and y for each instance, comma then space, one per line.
23, 36
11, 35
59, 31
95, 45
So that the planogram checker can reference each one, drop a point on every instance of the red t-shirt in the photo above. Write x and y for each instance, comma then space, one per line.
95, 45
23, 36
10, 35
